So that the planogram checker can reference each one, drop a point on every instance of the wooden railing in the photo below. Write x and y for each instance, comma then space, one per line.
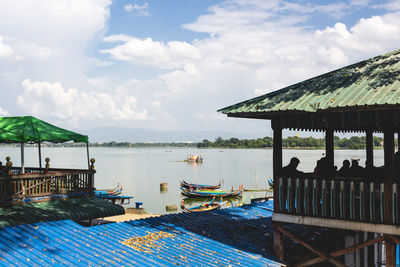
37, 182
336, 198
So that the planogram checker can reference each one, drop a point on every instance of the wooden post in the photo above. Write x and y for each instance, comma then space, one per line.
277, 162
40, 156
87, 154
370, 148
277, 166
398, 141
278, 245
22, 158
388, 142
329, 147
390, 253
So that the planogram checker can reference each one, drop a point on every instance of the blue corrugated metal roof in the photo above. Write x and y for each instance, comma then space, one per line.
229, 237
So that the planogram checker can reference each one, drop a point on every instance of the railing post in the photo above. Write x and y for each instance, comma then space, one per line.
372, 200
352, 206
395, 204
298, 196
306, 196
362, 202
290, 195
333, 199
315, 198
324, 199
342, 200
382, 201
281, 196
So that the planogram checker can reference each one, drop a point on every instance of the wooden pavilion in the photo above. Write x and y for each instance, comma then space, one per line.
364, 98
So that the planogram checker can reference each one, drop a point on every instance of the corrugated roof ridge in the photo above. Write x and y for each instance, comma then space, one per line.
310, 80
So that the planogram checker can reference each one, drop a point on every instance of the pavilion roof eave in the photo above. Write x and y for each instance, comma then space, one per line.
350, 119
270, 114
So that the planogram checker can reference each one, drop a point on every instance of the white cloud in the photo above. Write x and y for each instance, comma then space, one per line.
43, 99
4, 112
250, 47
147, 52
142, 10
5, 50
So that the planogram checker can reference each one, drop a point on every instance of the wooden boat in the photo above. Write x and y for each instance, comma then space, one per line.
212, 193
194, 159
203, 207
187, 185
110, 192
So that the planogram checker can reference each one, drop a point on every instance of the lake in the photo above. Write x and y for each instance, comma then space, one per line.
141, 170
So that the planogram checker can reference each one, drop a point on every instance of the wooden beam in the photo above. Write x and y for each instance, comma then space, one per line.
392, 239
388, 143
398, 141
308, 246
390, 253
278, 246
369, 138
277, 160
337, 224
329, 146
343, 251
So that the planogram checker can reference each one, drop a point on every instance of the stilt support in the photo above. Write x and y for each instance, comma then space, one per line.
278, 245
323, 255
344, 251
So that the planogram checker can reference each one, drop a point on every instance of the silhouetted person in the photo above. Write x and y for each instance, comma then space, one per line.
324, 169
290, 171
355, 169
344, 171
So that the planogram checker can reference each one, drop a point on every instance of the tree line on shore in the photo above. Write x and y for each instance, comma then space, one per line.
354, 142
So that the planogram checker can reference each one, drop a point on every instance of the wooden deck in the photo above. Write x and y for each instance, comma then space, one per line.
37, 182
338, 199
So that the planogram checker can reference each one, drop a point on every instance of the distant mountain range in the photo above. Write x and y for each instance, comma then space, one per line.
121, 134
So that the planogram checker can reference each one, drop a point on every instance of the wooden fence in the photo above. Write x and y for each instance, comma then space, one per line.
338, 198
37, 182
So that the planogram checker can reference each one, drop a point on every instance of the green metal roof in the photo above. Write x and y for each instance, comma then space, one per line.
74, 209
30, 129
370, 83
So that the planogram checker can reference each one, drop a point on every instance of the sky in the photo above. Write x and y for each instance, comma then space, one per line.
171, 64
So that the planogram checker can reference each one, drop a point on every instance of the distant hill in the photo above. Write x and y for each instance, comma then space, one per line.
121, 134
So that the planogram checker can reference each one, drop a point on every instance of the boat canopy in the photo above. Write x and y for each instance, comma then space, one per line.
28, 129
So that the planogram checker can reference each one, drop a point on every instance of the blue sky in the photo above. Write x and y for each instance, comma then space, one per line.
170, 64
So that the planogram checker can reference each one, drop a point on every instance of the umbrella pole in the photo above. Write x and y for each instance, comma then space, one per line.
22, 158
40, 156
87, 152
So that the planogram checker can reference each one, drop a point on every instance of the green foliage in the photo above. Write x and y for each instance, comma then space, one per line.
289, 142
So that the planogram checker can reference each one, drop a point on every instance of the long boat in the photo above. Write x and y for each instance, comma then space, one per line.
187, 185
212, 193
203, 207
110, 192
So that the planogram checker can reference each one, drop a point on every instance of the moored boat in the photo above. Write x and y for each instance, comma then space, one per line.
203, 207
212, 193
187, 185
109, 192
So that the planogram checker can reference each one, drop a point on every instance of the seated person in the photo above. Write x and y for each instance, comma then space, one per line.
355, 169
323, 168
290, 171
344, 171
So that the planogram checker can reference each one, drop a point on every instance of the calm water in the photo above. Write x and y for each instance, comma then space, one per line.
141, 170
